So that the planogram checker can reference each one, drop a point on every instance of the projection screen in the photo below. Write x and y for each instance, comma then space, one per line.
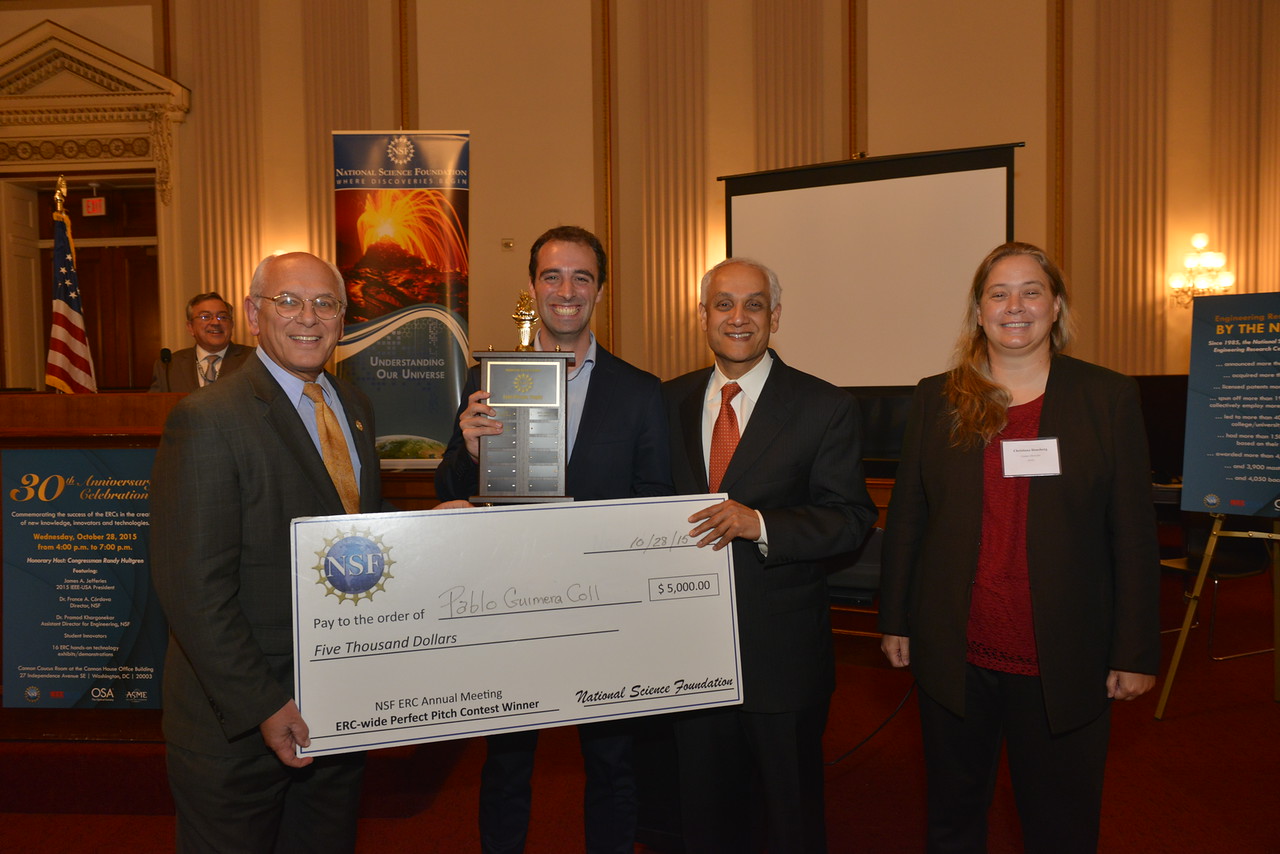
874, 255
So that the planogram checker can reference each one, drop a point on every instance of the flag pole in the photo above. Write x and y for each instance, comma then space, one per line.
69, 368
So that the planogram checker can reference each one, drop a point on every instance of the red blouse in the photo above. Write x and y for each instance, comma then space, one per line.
1001, 629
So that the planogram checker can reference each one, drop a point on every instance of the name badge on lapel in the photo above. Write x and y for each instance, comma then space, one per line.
1030, 457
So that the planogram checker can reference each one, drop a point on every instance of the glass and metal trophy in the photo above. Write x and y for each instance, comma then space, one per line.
526, 462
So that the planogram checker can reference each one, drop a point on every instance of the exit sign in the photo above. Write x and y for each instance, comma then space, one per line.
94, 206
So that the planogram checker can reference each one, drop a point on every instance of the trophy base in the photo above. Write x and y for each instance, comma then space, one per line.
520, 499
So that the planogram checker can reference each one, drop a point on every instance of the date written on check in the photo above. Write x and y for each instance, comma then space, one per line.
425, 626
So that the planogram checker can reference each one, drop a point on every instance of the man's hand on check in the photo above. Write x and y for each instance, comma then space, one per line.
478, 420
284, 731
456, 504
723, 523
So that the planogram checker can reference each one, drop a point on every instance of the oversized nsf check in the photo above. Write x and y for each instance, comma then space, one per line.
431, 625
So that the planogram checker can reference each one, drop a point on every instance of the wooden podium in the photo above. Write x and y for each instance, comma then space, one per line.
126, 420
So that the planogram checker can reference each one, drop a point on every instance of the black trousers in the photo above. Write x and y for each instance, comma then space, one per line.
732, 763
609, 802
1057, 778
256, 804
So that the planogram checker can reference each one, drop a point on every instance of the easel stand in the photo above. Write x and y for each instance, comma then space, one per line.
1193, 600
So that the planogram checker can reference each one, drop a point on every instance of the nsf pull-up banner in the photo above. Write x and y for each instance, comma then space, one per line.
1232, 459
401, 202
82, 625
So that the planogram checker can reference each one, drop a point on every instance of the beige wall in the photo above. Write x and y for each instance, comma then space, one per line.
957, 75
520, 79
128, 29
620, 116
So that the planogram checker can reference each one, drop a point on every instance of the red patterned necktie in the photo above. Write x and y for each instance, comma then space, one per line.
724, 437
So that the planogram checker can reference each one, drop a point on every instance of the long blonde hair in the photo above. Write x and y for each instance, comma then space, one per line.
979, 405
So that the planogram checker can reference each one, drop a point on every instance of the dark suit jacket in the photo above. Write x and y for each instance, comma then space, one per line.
182, 373
799, 462
1091, 547
235, 465
620, 450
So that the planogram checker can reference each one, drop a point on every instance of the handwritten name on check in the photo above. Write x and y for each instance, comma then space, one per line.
432, 625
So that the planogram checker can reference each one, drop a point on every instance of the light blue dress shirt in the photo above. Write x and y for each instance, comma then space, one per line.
307, 410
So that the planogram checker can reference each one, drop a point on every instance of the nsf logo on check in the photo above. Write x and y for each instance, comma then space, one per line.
354, 565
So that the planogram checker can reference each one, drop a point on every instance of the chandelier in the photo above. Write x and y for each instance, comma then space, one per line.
1203, 274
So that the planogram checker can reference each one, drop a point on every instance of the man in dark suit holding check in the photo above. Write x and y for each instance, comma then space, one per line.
785, 447
276, 440
617, 442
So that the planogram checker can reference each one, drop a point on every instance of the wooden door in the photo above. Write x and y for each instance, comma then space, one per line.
119, 284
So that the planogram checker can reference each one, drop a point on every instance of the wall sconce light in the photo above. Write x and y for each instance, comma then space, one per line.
1203, 274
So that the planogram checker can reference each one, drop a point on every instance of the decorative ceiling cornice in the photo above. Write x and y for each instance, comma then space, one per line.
38, 56
67, 99
54, 62
14, 115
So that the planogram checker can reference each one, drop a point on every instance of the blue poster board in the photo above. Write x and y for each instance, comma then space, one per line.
82, 625
1231, 463
401, 214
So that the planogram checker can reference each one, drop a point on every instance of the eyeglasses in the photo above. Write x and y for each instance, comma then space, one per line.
205, 317
288, 305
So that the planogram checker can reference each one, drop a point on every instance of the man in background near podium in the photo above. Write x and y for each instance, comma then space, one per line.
785, 447
276, 440
617, 448
210, 321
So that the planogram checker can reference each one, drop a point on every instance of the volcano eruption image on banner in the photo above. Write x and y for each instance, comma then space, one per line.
401, 206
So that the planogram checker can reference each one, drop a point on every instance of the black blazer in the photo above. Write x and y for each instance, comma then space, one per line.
620, 450
1092, 554
799, 462
181, 374
235, 465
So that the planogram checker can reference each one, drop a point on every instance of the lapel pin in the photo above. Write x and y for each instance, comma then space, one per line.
359, 425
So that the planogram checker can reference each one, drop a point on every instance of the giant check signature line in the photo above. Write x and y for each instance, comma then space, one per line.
643, 549
540, 610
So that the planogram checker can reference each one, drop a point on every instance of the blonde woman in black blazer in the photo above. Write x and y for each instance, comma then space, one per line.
1073, 600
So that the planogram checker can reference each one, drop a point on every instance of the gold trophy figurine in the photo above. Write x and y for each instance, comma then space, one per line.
525, 317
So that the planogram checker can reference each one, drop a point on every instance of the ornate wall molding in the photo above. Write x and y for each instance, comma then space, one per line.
53, 62
82, 148
67, 102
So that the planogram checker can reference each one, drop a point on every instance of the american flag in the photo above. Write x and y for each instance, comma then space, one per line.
70, 366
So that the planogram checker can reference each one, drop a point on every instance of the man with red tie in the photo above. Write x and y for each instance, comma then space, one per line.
785, 447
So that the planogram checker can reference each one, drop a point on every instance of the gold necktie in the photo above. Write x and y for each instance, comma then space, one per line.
333, 447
